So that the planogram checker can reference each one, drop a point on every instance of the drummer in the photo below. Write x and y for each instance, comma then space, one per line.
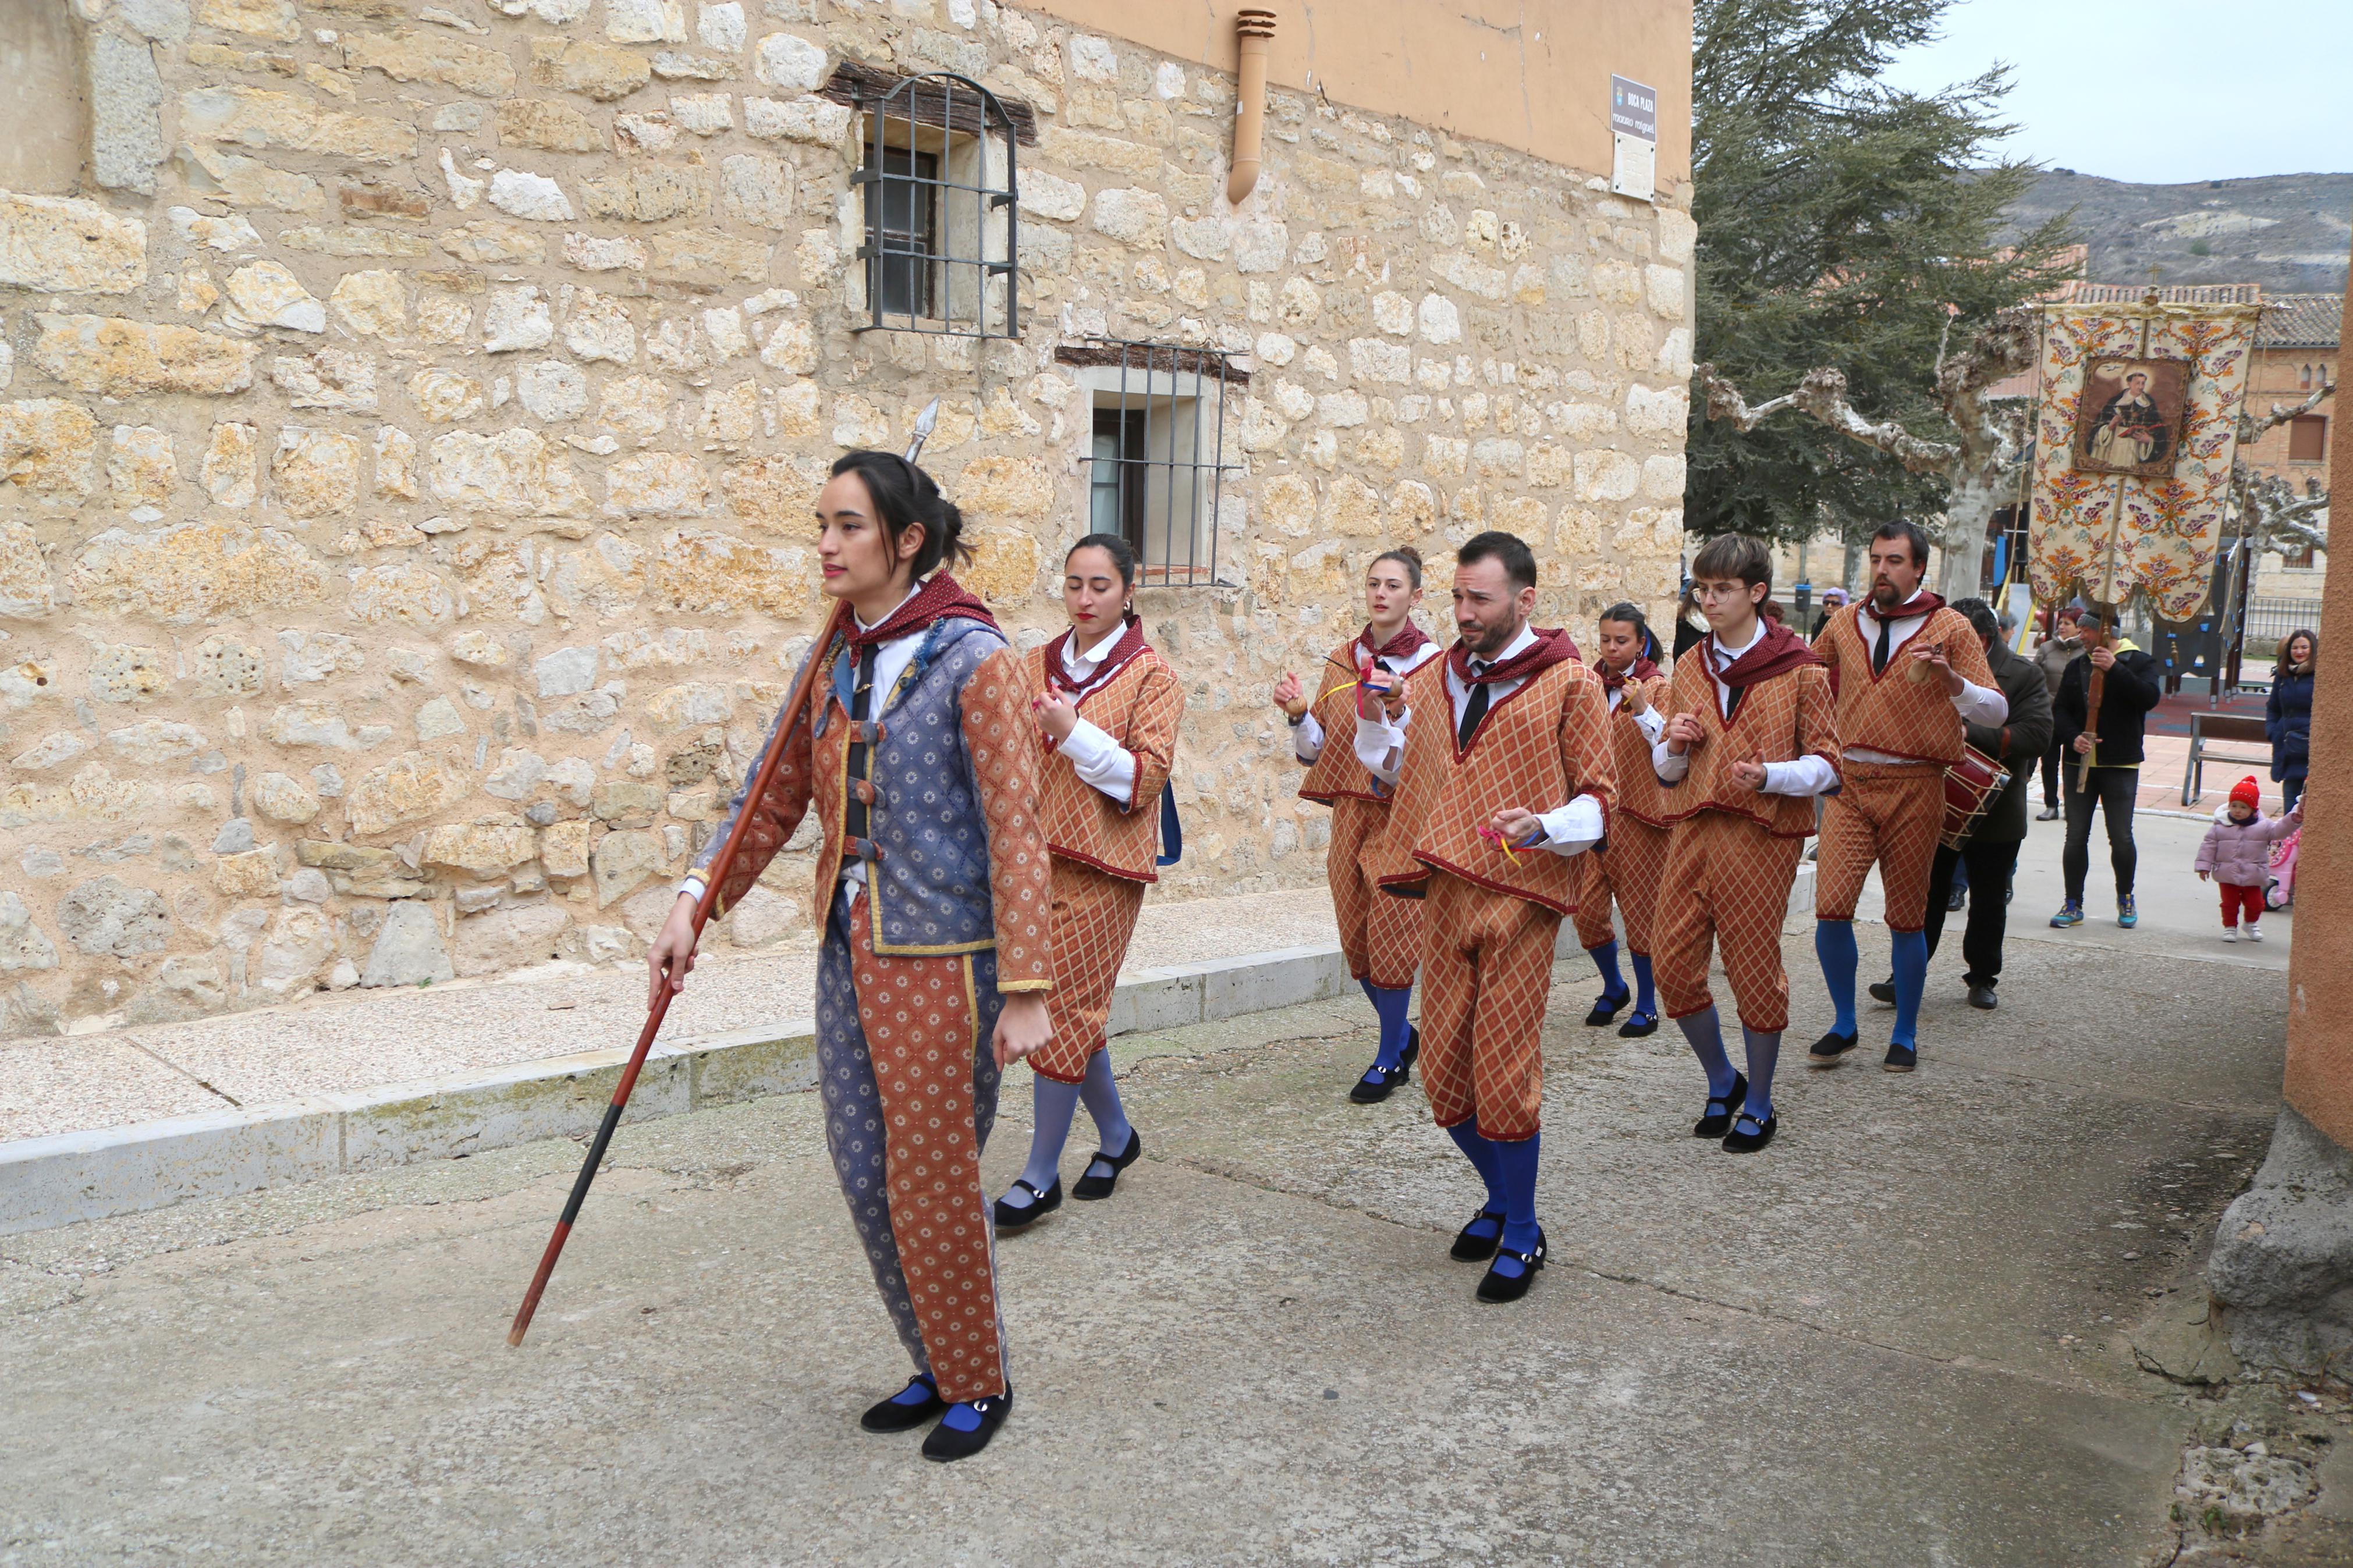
1910, 673
1991, 840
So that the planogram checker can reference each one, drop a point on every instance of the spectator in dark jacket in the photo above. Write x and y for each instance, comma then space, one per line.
1989, 855
2131, 685
2053, 654
2287, 717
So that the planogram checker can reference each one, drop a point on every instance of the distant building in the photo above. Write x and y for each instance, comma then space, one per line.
2297, 350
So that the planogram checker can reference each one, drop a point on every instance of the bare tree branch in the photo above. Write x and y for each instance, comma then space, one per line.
1820, 394
2277, 518
2251, 428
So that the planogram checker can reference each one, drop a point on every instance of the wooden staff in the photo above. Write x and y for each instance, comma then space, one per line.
795, 704
2095, 693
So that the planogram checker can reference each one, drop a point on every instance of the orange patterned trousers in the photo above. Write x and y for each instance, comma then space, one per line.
910, 1092
1486, 974
1380, 933
1093, 917
1727, 879
1628, 869
1891, 816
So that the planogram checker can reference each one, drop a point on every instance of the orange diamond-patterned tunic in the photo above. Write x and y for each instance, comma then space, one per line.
1381, 936
1891, 813
1102, 852
1490, 916
1734, 852
1628, 866
915, 966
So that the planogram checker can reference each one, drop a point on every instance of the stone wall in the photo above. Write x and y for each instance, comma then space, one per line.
410, 422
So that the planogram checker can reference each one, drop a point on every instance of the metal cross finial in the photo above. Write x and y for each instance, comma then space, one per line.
925, 422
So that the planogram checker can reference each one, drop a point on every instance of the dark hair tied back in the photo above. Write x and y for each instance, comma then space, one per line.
1626, 613
906, 497
1407, 556
1122, 554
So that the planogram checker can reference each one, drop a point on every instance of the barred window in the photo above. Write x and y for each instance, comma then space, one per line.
938, 176
1157, 466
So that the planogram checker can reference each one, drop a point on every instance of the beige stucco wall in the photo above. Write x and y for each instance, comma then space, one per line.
409, 430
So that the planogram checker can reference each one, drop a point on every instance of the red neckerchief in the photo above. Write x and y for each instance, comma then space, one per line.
1403, 646
1131, 643
1779, 651
1611, 679
940, 597
1922, 602
1550, 648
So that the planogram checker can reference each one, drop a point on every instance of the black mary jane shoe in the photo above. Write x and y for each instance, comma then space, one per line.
1497, 1287
1638, 1025
1715, 1123
1010, 1216
947, 1444
1605, 1009
893, 1416
1091, 1186
1883, 992
1470, 1248
1827, 1051
1379, 1083
1739, 1143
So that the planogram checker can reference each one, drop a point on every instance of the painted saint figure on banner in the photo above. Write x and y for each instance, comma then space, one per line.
2129, 417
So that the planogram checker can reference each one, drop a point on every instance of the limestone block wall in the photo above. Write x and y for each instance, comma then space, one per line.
409, 415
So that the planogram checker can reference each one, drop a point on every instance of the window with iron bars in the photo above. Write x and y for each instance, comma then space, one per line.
1156, 463
937, 170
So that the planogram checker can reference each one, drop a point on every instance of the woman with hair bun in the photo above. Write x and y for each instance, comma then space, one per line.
1106, 708
1628, 866
920, 758
1380, 936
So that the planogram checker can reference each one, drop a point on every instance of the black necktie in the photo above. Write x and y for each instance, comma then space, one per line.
1879, 653
862, 708
1475, 707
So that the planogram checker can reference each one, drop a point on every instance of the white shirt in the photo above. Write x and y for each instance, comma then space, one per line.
1569, 828
1307, 735
1975, 703
1809, 775
1094, 756
891, 661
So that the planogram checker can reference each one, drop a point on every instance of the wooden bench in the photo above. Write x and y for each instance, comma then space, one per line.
2230, 728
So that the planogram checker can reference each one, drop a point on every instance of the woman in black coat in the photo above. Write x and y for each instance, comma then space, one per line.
2287, 717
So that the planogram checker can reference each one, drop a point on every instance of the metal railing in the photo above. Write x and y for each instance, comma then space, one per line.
943, 211
1158, 461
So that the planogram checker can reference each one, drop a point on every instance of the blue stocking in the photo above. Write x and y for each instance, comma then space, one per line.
1516, 1162
1100, 1092
1481, 1152
1056, 1103
1646, 996
1396, 1029
1911, 980
1704, 1030
1834, 945
1613, 985
1764, 1054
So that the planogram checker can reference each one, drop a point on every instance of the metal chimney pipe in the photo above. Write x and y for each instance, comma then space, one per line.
1254, 27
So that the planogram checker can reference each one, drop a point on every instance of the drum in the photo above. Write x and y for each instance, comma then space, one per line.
1970, 786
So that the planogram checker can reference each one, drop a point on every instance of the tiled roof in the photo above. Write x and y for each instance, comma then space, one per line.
2303, 320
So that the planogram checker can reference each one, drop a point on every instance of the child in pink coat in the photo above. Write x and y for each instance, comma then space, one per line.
2237, 854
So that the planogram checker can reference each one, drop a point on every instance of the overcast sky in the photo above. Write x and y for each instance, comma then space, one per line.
2159, 92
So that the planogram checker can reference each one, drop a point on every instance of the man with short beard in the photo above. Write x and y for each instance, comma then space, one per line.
1499, 755
1910, 675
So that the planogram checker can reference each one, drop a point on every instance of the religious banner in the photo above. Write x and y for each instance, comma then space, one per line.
2133, 444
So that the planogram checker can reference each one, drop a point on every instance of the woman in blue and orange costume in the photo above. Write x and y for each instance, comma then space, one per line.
1107, 708
1628, 866
1380, 936
921, 759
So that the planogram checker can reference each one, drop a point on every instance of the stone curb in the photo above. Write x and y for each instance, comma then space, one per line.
71, 1177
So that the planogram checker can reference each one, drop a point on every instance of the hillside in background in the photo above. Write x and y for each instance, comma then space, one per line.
2290, 233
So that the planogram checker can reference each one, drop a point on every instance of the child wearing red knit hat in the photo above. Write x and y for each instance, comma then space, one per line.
2237, 855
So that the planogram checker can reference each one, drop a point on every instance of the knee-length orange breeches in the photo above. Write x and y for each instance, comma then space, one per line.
1380, 933
1894, 816
1486, 974
1094, 921
1726, 878
1627, 869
